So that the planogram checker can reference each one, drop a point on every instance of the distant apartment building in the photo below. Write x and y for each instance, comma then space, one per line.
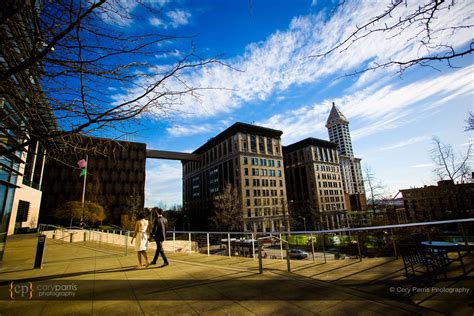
351, 171
314, 184
115, 178
444, 201
249, 158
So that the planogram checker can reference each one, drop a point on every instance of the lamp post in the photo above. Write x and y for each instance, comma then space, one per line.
304, 222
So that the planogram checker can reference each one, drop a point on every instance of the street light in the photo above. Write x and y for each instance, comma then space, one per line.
304, 221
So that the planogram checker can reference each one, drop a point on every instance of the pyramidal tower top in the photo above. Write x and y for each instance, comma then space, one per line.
336, 117
338, 128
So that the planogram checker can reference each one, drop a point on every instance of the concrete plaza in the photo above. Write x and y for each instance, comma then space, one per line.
106, 281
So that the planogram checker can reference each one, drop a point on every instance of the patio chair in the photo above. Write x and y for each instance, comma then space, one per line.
417, 258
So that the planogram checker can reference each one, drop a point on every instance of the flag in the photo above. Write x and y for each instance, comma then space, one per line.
83, 172
82, 163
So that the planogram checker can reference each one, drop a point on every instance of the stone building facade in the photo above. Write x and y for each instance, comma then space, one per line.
249, 158
314, 184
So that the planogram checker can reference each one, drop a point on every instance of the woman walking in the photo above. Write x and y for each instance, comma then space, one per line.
141, 238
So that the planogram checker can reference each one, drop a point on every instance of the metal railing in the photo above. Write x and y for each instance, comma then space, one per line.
251, 244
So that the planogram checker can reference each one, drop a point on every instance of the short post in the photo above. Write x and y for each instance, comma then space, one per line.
40, 252
71, 237
174, 238
463, 233
126, 242
189, 237
208, 250
107, 236
324, 247
85, 236
312, 246
253, 246
100, 237
358, 247
281, 248
288, 265
228, 244
394, 244
54, 234
260, 264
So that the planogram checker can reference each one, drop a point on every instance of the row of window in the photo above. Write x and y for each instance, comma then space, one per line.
264, 144
263, 172
258, 192
263, 162
263, 182
265, 211
263, 201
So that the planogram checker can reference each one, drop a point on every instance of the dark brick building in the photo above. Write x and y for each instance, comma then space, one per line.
444, 201
115, 178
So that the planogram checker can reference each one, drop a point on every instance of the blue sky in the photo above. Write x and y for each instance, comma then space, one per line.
274, 84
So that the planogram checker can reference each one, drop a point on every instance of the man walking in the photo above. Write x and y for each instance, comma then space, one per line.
159, 234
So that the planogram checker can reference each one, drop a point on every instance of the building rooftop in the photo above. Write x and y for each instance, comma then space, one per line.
336, 116
310, 141
235, 128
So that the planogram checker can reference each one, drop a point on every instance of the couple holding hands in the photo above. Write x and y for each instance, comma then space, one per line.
158, 234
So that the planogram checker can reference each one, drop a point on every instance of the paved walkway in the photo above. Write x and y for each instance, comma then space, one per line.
106, 281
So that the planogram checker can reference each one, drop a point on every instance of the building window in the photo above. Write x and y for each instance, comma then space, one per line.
261, 146
247, 182
253, 143
23, 209
269, 146
246, 161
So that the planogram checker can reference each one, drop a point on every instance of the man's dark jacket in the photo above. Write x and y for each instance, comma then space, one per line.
159, 229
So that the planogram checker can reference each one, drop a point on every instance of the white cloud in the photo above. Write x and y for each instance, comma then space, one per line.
156, 22
188, 130
378, 107
406, 142
174, 53
280, 61
314, 3
178, 18
163, 182
172, 19
423, 165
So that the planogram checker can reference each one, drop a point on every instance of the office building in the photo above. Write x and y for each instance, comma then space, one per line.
115, 178
351, 171
249, 158
314, 184
22, 104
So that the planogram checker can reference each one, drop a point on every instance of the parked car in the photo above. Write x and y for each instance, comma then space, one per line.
297, 254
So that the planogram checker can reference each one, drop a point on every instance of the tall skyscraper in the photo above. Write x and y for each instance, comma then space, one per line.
351, 171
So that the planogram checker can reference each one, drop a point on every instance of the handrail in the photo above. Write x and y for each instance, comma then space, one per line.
340, 230
388, 227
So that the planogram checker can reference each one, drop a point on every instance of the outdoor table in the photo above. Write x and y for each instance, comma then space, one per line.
446, 247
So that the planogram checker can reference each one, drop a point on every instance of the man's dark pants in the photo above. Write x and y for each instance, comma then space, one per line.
159, 250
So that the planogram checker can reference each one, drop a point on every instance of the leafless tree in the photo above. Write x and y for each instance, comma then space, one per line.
450, 165
68, 56
377, 191
470, 122
402, 17
134, 204
228, 210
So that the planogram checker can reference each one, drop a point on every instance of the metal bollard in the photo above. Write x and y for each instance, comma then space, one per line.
228, 244
126, 243
40, 251
208, 250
